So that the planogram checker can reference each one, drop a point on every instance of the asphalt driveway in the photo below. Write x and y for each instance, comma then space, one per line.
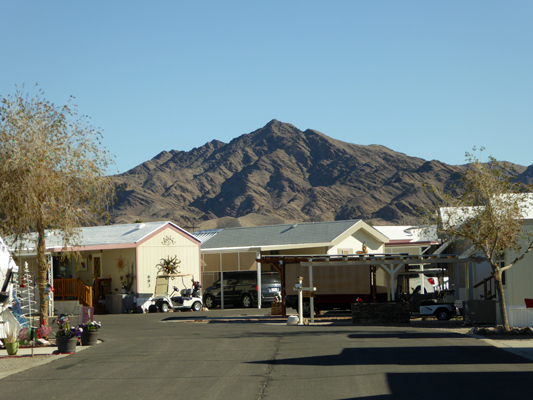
171, 356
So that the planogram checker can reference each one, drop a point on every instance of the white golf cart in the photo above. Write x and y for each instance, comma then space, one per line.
186, 299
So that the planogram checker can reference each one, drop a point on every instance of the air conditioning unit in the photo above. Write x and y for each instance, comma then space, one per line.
480, 312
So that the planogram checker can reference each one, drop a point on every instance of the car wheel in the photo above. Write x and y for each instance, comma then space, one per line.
246, 301
442, 314
197, 306
209, 301
163, 307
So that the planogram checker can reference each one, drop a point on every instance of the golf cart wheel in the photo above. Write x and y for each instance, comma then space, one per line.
246, 301
163, 307
442, 314
197, 306
209, 301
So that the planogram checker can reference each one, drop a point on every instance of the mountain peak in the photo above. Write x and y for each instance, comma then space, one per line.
280, 173
279, 127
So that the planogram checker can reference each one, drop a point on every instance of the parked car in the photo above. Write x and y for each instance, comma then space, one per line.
433, 281
240, 289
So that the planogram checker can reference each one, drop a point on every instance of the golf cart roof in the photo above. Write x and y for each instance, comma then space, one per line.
162, 281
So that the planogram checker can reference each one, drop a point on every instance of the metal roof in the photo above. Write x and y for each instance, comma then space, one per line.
458, 215
204, 236
107, 235
409, 233
282, 235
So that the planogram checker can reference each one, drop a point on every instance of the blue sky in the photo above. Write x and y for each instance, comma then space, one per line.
430, 79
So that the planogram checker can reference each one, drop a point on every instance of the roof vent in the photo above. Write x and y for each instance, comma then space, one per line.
140, 226
294, 226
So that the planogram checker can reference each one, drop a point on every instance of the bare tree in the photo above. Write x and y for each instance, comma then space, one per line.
52, 174
485, 213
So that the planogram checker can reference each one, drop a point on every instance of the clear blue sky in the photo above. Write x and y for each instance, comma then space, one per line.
430, 79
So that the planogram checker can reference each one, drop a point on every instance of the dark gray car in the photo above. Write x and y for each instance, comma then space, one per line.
240, 289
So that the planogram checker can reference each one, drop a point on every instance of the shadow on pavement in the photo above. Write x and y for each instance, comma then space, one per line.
431, 355
456, 386
404, 335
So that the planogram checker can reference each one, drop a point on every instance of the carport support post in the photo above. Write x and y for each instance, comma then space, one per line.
393, 285
221, 290
312, 298
298, 287
470, 281
259, 287
392, 270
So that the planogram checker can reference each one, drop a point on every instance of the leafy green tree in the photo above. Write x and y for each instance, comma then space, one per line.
52, 174
485, 213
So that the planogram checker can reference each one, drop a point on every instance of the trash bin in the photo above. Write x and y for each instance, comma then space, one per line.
113, 303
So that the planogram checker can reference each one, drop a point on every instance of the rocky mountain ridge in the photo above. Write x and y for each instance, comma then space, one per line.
280, 174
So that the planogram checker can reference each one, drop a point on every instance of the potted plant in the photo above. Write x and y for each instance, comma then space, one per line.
11, 341
67, 336
126, 282
89, 334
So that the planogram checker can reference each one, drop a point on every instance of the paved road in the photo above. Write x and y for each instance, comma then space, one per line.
155, 356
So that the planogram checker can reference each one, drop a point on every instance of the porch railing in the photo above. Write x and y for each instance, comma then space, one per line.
73, 289
65, 289
85, 294
488, 290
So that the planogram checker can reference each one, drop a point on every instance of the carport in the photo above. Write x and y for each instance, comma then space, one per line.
391, 263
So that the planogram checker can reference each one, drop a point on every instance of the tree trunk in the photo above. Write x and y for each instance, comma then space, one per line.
501, 295
42, 269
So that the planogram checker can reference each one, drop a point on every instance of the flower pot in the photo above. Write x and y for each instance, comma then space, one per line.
66, 344
12, 348
89, 337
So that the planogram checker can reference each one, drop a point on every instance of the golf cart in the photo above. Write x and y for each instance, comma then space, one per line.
186, 299
432, 302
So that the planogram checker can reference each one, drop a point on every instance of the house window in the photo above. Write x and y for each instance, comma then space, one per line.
345, 251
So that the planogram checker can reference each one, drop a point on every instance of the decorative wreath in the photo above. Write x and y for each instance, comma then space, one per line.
169, 265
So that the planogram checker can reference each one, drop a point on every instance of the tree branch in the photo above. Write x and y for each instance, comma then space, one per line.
530, 247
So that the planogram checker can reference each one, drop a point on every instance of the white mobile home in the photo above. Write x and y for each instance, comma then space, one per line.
116, 260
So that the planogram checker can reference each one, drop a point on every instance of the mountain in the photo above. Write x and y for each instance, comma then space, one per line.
279, 174
526, 177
